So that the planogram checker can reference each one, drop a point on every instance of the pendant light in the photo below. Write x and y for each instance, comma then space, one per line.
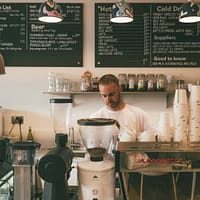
122, 12
50, 12
190, 12
2, 67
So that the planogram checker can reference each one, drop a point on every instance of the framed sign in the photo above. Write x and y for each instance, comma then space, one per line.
25, 41
155, 38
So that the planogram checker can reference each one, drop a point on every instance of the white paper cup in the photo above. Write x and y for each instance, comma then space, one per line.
164, 133
195, 93
165, 118
194, 135
146, 137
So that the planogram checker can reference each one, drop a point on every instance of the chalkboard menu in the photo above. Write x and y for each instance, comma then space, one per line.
155, 38
25, 41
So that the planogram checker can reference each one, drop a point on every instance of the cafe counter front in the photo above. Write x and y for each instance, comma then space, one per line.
171, 157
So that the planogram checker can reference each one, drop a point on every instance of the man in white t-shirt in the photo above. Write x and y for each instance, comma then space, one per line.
132, 120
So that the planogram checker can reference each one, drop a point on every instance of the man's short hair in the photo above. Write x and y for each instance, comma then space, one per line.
108, 78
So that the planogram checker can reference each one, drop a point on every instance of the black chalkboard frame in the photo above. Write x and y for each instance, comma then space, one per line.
144, 55
54, 57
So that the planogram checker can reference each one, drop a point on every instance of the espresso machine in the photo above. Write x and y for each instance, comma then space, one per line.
96, 175
23, 162
54, 168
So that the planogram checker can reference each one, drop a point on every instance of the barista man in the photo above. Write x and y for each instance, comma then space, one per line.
132, 120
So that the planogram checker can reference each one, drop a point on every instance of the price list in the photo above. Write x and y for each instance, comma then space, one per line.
118, 42
155, 38
16, 27
173, 43
41, 44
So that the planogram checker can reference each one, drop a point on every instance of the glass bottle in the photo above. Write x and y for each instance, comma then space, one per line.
160, 82
180, 84
150, 82
30, 135
123, 81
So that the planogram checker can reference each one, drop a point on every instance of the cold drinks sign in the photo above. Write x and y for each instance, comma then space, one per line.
155, 38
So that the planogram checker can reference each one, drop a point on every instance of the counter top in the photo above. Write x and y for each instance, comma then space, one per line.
158, 147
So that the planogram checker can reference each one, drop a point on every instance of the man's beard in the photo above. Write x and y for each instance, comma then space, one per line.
115, 104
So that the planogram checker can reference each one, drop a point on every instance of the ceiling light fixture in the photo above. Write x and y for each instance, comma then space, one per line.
122, 12
50, 12
2, 66
190, 12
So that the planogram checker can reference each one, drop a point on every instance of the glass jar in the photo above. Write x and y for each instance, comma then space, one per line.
123, 81
150, 82
85, 84
180, 84
51, 82
131, 82
95, 84
141, 82
160, 82
59, 82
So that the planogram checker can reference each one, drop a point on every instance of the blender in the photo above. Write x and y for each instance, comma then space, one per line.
97, 174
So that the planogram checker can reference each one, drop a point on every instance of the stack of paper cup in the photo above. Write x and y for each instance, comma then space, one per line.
194, 118
164, 127
181, 114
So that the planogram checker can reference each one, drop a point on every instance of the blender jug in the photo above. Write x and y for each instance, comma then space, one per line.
61, 111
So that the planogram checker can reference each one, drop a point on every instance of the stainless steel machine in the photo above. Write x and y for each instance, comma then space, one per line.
54, 168
22, 156
97, 175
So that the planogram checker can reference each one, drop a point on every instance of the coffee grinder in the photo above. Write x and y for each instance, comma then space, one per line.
54, 168
22, 157
97, 175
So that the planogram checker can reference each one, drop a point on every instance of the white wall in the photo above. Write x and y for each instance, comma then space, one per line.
22, 88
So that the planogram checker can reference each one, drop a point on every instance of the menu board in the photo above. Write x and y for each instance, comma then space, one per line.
25, 41
155, 38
